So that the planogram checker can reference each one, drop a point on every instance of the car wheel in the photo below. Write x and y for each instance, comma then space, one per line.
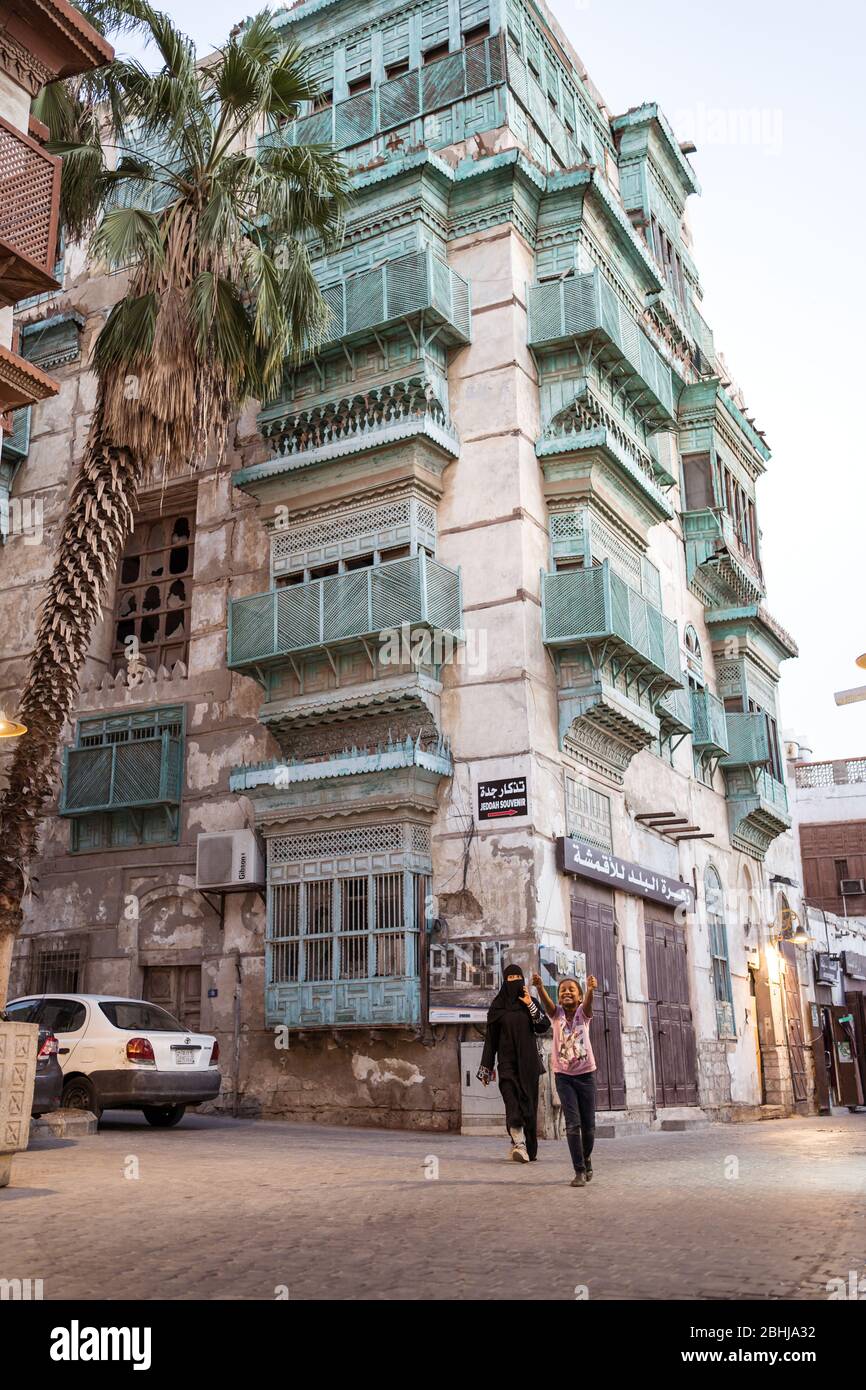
164, 1116
80, 1094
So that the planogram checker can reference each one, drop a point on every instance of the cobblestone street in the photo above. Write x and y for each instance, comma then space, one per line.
232, 1210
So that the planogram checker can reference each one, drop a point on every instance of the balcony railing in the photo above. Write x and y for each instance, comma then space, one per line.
748, 740
841, 772
710, 731
29, 206
403, 99
585, 305
596, 605
675, 711
771, 791
344, 607
114, 777
413, 284
716, 526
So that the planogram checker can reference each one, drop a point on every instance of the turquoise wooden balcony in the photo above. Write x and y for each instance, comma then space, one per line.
757, 809
585, 306
709, 726
714, 548
146, 772
344, 607
772, 792
675, 713
748, 740
595, 606
401, 100
408, 286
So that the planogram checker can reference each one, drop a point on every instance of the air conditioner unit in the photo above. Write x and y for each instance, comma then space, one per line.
229, 861
851, 887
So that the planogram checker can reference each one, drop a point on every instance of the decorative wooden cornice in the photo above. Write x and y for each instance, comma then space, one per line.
21, 383
42, 40
22, 66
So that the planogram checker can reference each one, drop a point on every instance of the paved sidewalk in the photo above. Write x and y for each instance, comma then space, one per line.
232, 1209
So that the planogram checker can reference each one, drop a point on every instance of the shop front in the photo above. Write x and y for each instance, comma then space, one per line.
597, 877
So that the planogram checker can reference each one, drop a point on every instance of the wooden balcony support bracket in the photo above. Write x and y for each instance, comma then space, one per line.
646, 816
433, 336
694, 835
330, 655
297, 671
348, 354
669, 740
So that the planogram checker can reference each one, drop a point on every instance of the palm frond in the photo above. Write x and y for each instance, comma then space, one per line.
127, 336
126, 235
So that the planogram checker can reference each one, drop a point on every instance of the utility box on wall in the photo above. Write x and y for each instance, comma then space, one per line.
481, 1107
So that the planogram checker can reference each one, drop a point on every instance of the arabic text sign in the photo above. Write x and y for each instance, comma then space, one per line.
502, 798
574, 857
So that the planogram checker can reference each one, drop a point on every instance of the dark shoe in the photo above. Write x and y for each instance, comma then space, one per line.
579, 1180
589, 1172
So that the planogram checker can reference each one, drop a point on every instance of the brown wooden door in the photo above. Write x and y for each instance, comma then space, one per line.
593, 931
794, 1022
846, 1073
674, 1050
176, 988
855, 1003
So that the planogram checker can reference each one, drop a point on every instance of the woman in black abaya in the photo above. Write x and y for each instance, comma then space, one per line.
513, 1021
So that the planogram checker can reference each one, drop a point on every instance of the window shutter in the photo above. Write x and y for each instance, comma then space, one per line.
434, 26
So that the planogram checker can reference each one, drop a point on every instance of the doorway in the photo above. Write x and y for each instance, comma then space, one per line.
794, 1022
841, 1043
593, 931
674, 1049
176, 988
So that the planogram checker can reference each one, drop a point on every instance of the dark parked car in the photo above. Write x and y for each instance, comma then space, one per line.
48, 1086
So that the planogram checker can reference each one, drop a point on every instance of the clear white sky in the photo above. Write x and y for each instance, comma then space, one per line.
768, 90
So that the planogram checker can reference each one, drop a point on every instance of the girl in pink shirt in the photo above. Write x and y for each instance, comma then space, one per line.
574, 1068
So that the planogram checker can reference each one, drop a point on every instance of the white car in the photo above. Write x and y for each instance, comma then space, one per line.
125, 1054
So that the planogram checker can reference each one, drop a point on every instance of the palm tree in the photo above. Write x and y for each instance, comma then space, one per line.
87, 115
221, 293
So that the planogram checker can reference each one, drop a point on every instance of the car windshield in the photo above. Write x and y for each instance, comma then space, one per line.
135, 1017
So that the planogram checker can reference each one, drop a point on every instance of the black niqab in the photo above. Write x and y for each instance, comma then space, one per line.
509, 993
510, 1043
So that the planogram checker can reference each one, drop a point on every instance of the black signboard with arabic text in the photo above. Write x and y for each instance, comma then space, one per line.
575, 857
502, 798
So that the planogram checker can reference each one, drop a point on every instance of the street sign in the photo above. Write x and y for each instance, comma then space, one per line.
502, 798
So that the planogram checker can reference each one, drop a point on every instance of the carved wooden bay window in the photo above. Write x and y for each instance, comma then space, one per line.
346, 910
338, 541
123, 779
154, 593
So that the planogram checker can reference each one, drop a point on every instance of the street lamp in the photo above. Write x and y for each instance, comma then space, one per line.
791, 929
9, 728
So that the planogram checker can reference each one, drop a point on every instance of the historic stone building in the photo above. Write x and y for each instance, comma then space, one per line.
470, 627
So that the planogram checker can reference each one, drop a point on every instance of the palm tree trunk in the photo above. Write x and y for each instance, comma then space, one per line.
99, 517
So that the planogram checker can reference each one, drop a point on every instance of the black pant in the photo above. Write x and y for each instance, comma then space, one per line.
577, 1097
520, 1114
